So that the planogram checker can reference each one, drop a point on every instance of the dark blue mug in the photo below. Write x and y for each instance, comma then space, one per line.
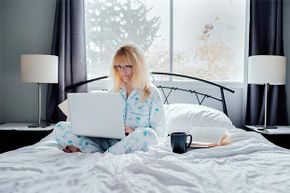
179, 142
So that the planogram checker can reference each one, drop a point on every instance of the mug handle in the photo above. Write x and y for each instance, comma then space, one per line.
190, 136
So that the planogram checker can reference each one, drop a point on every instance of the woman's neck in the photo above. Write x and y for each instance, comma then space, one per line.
128, 89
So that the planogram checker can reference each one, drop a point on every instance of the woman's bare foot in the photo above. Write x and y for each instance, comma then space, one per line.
226, 140
71, 149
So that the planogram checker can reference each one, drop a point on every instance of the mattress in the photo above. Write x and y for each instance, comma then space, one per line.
249, 164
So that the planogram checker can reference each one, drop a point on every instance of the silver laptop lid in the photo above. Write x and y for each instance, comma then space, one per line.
97, 114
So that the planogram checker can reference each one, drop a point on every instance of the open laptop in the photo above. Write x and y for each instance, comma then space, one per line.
97, 114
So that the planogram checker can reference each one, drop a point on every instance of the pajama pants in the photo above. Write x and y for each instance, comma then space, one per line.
139, 140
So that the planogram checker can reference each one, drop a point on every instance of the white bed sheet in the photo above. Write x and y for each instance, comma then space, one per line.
249, 164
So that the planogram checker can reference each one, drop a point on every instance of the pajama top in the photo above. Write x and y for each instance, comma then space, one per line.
143, 114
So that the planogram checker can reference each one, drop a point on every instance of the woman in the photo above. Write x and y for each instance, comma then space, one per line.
143, 110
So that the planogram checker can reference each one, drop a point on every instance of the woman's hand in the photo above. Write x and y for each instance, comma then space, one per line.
128, 130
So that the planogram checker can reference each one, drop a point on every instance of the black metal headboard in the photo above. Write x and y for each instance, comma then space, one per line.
200, 96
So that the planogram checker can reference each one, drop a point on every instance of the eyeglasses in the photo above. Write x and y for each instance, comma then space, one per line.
123, 67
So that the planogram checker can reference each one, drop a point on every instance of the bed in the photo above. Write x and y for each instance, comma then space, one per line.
249, 164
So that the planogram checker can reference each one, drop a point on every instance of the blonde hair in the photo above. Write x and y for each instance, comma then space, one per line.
133, 55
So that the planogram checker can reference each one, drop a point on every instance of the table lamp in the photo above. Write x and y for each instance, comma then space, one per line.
266, 70
39, 69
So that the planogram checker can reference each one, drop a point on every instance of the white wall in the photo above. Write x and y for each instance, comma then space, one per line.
26, 28
286, 26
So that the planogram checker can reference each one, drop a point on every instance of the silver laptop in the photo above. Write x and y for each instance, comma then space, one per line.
97, 114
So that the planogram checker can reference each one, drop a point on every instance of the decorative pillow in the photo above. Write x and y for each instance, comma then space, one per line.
64, 108
183, 117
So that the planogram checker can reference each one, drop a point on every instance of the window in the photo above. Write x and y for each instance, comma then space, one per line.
207, 36
110, 23
208, 40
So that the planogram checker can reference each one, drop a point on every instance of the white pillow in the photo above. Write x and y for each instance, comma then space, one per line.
183, 117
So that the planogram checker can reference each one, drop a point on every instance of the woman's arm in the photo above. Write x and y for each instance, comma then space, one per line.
157, 115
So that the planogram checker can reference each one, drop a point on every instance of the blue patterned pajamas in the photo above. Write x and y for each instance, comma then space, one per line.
145, 117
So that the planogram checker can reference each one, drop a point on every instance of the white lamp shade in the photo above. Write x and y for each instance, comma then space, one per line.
263, 69
39, 68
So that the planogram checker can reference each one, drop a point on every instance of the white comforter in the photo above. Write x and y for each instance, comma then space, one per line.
249, 164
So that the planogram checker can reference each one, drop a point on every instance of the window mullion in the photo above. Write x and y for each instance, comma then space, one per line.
171, 38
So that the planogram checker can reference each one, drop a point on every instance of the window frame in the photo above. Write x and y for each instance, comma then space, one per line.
228, 83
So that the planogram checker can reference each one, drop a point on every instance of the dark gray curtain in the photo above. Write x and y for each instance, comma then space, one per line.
266, 38
68, 43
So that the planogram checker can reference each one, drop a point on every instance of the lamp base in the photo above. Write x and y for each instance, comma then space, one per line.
36, 125
262, 127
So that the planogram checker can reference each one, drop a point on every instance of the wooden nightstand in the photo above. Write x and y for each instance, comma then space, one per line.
16, 135
279, 136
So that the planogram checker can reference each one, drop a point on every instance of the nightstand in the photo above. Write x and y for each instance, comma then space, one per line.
279, 136
16, 135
